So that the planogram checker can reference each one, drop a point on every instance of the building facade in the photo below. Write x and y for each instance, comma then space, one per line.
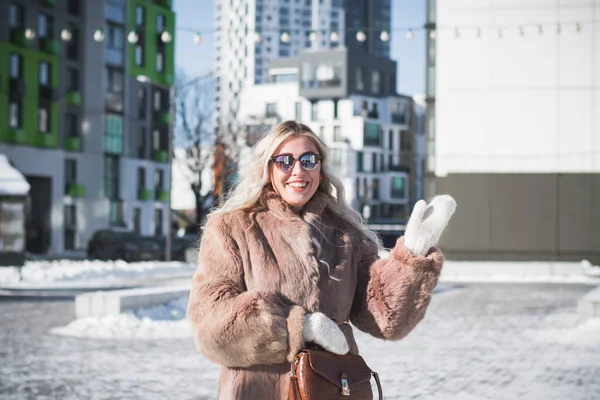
369, 128
84, 114
517, 132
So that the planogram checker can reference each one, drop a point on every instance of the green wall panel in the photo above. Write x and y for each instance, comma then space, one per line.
31, 59
150, 43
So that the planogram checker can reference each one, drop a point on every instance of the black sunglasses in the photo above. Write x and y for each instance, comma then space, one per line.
308, 161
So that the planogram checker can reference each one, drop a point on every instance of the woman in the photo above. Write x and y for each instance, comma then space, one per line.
284, 261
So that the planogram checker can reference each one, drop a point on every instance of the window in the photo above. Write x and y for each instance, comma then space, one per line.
43, 118
359, 161
111, 179
391, 139
375, 189
375, 82
73, 7
371, 134
44, 73
374, 162
114, 80
159, 61
357, 188
70, 173
298, 111
113, 136
335, 108
158, 222
336, 158
160, 23
159, 178
73, 44
141, 179
139, 55
71, 125
73, 79
70, 226
114, 44
139, 16
142, 148
314, 111
337, 134
142, 101
398, 187
14, 115
405, 142
114, 12
157, 103
15, 16
271, 110
137, 220
45, 28
359, 78
16, 66
115, 213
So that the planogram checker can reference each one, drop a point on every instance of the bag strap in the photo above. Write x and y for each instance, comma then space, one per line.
376, 376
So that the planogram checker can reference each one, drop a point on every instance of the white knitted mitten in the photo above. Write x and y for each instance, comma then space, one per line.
319, 329
426, 224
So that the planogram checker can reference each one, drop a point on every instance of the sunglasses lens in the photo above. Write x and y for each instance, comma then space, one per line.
284, 163
309, 161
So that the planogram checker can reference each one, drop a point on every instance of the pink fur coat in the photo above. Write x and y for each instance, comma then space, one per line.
259, 273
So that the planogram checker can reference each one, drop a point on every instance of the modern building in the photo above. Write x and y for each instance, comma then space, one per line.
250, 33
516, 138
348, 100
84, 114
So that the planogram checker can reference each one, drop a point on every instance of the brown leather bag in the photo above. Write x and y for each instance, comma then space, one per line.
317, 374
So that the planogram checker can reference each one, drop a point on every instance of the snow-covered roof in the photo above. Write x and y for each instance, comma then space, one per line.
12, 182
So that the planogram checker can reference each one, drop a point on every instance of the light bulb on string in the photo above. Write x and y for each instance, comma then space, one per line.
384, 36
98, 35
578, 27
361, 36
132, 37
257, 37
334, 37
285, 37
558, 29
432, 34
499, 33
66, 35
409, 34
521, 31
456, 33
166, 37
312, 36
478, 32
29, 34
197, 38
540, 29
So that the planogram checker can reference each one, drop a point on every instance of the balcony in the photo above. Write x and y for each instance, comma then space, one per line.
16, 135
73, 98
51, 46
73, 143
17, 36
145, 194
160, 156
16, 87
399, 118
75, 190
162, 195
45, 140
162, 117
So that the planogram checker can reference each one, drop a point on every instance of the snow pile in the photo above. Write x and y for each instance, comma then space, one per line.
160, 322
68, 273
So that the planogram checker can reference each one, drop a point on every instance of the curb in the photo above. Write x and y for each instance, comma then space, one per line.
107, 303
589, 306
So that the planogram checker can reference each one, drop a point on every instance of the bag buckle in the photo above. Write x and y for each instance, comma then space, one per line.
345, 386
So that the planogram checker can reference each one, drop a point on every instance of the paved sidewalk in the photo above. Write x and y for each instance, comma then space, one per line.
478, 341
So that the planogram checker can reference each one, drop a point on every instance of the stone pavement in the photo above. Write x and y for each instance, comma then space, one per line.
478, 341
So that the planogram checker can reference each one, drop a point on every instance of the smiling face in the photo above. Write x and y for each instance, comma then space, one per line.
296, 186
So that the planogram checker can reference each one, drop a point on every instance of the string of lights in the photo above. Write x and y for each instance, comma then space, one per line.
285, 36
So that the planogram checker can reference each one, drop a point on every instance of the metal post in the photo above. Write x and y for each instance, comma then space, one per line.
168, 243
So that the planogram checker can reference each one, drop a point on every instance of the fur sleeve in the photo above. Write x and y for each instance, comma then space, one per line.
231, 325
393, 294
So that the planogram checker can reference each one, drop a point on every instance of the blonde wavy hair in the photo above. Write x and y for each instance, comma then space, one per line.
251, 185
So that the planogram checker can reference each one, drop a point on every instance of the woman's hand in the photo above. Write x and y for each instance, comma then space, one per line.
426, 224
319, 329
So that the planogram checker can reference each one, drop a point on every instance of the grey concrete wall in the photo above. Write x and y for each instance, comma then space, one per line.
523, 217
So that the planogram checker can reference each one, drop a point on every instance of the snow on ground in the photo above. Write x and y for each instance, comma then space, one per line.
164, 321
62, 273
